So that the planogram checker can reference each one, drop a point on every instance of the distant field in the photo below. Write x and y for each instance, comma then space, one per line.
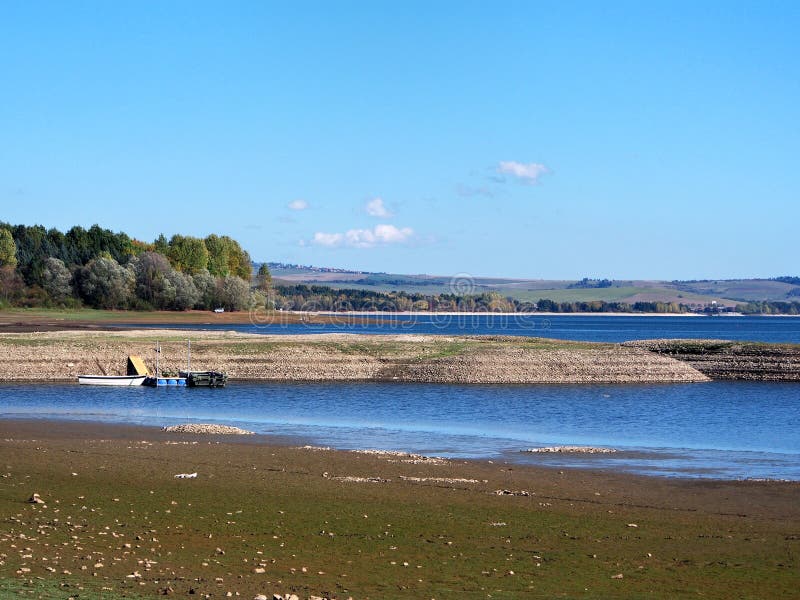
724, 292
743, 289
526, 290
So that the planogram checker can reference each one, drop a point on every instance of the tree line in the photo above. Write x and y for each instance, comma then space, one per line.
321, 298
99, 268
104, 269
769, 308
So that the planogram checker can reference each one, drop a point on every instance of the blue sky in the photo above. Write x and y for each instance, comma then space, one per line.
520, 139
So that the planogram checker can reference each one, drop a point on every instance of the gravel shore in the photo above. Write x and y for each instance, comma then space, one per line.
61, 356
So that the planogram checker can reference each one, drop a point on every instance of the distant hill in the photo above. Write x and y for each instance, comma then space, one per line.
725, 292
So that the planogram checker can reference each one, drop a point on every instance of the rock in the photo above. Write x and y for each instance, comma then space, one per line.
35, 499
617, 576
206, 428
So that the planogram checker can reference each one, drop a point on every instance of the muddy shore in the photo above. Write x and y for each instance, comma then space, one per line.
264, 518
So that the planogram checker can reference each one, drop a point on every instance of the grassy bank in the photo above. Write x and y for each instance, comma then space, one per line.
270, 519
48, 319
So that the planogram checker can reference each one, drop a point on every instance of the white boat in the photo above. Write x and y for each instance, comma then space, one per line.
111, 379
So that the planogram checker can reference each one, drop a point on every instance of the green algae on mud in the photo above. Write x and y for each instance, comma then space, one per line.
266, 518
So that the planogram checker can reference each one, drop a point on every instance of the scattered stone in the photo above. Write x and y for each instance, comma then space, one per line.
512, 493
208, 429
570, 450
353, 479
441, 479
404, 457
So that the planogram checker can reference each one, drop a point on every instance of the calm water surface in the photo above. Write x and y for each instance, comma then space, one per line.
726, 430
566, 327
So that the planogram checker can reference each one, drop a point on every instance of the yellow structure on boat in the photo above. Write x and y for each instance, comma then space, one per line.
136, 366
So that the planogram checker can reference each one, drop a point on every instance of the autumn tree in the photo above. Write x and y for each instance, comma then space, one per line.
8, 249
226, 257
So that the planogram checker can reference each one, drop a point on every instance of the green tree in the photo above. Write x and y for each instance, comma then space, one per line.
8, 249
184, 291
150, 270
57, 280
103, 283
218, 255
161, 245
264, 278
226, 257
206, 286
188, 254
233, 293
240, 263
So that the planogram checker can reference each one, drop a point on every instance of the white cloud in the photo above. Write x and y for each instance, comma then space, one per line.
298, 205
528, 173
375, 208
328, 239
364, 238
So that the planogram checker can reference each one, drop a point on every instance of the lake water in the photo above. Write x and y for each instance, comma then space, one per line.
602, 328
727, 430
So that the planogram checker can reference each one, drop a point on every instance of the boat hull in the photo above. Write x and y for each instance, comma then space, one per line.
115, 380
